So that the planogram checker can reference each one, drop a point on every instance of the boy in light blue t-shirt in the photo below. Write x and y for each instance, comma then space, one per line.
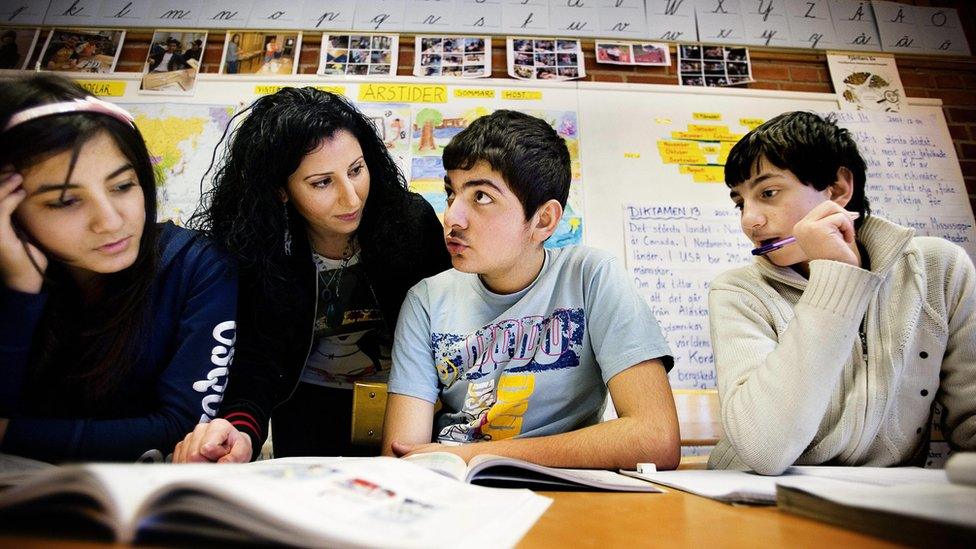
521, 343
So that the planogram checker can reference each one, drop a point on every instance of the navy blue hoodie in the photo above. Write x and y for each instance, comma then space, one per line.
176, 382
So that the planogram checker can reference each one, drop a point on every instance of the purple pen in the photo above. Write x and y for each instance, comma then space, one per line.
773, 246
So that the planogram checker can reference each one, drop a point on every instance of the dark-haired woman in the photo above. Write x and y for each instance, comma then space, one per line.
115, 333
329, 241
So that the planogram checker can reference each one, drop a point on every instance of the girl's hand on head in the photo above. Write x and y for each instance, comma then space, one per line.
17, 271
827, 232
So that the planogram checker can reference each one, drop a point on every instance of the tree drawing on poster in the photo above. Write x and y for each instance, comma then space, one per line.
433, 128
392, 124
181, 139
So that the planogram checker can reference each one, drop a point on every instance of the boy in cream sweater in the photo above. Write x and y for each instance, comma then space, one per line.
833, 346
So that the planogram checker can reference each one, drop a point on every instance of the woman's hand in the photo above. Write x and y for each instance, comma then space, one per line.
17, 271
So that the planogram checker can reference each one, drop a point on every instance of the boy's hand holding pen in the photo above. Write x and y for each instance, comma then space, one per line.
826, 232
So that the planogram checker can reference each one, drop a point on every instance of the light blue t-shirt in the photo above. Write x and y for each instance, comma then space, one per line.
528, 364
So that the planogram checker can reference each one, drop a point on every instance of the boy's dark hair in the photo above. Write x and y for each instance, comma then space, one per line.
810, 146
528, 153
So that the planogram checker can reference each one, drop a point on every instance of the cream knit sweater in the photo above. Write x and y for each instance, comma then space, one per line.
794, 382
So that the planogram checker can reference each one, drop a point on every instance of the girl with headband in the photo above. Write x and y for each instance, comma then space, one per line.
329, 241
116, 333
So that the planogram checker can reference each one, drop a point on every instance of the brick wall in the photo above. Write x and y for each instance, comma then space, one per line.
953, 80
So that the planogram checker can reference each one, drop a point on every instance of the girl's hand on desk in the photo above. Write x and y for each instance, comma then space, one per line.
17, 270
217, 441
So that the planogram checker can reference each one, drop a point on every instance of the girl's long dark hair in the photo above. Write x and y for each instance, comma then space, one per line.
244, 210
98, 339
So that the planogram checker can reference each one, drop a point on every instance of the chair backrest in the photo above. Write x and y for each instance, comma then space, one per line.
698, 414
368, 409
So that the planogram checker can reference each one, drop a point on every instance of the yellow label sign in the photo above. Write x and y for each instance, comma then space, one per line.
469, 93
104, 88
521, 94
263, 89
704, 174
707, 116
662, 121
751, 122
631, 155
403, 93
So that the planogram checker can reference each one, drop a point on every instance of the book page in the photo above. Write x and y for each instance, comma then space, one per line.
498, 468
16, 469
445, 463
722, 485
942, 502
352, 502
878, 476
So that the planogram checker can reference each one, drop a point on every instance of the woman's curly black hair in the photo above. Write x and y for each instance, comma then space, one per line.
244, 211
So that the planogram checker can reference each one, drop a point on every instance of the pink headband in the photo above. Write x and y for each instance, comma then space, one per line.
88, 104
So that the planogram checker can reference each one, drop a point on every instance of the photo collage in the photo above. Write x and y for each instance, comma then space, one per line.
359, 54
649, 54
459, 56
545, 59
712, 66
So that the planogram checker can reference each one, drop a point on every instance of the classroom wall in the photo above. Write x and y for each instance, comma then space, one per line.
952, 79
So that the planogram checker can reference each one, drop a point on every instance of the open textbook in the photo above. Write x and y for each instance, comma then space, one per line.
505, 472
335, 502
733, 486
916, 513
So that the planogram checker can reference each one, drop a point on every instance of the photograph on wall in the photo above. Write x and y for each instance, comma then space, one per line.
173, 62
544, 59
649, 54
360, 54
16, 47
81, 50
866, 82
459, 56
262, 52
713, 66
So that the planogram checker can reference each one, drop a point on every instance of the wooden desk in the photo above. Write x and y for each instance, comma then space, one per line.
674, 519
677, 519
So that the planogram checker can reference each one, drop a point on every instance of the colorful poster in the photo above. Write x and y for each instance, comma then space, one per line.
433, 128
181, 139
866, 82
